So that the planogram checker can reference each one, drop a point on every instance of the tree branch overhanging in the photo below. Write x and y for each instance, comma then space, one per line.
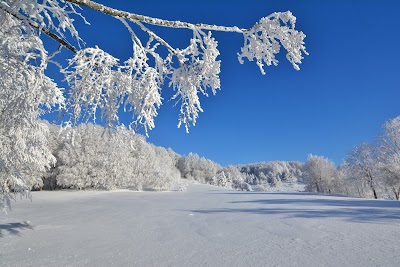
201, 69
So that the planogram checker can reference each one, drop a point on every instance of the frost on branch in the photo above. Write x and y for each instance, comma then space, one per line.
263, 41
142, 83
199, 71
97, 81
137, 84
91, 77
51, 14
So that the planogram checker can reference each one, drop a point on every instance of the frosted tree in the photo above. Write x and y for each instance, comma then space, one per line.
320, 174
81, 159
234, 175
198, 168
158, 169
389, 155
25, 91
362, 167
274, 173
99, 83
93, 158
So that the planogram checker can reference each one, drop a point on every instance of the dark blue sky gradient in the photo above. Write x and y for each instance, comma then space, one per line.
346, 89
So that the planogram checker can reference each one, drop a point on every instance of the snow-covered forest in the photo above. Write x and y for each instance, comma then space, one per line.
89, 156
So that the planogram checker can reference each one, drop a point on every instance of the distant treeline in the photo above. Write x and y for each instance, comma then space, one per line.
89, 156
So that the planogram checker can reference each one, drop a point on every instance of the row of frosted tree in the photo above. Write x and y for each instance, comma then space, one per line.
369, 170
91, 157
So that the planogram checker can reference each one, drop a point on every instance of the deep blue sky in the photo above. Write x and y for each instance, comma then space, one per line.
346, 89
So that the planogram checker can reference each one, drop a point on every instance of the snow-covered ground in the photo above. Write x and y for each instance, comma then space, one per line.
203, 226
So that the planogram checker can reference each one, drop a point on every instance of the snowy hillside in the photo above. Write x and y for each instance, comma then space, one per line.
203, 226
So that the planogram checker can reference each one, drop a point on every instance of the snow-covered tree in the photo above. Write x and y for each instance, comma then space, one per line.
389, 155
234, 175
362, 167
25, 91
320, 174
194, 167
89, 157
99, 83
83, 159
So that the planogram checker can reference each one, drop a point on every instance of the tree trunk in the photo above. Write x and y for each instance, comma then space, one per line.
317, 186
371, 184
375, 195
396, 192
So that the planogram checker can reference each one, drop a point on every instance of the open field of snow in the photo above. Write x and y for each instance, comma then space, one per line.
203, 226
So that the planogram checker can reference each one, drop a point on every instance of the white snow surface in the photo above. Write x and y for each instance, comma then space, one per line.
202, 226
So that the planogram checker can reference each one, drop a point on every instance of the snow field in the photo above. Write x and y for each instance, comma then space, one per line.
203, 226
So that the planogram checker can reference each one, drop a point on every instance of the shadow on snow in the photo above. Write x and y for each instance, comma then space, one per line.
14, 228
349, 209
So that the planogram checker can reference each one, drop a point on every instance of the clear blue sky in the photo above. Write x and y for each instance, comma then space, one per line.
346, 89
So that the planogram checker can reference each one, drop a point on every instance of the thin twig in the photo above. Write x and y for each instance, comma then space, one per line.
158, 38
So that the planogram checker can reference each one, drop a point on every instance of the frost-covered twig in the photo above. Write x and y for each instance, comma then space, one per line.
263, 41
158, 38
39, 27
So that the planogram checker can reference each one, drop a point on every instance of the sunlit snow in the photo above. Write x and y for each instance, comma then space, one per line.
202, 226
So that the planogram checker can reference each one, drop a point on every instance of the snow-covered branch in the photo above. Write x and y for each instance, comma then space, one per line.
154, 21
198, 67
39, 27
263, 41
